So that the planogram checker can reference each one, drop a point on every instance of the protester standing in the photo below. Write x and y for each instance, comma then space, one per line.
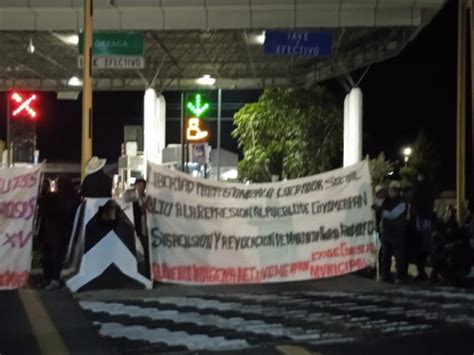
380, 196
56, 210
438, 259
97, 183
139, 215
411, 246
395, 212
423, 205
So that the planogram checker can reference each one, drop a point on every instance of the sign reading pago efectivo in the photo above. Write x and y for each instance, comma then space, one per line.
114, 62
115, 50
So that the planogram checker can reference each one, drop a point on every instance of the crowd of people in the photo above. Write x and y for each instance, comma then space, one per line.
58, 203
408, 229
411, 233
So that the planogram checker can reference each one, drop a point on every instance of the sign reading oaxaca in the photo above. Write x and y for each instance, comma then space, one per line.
206, 232
115, 50
18, 197
115, 43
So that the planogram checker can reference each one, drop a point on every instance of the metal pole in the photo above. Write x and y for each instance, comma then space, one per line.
86, 150
219, 114
9, 138
461, 113
471, 19
183, 133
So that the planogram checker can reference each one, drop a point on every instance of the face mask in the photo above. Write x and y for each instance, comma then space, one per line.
379, 201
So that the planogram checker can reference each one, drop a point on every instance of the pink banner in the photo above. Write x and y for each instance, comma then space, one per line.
18, 199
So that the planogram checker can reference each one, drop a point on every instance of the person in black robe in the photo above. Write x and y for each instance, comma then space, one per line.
97, 183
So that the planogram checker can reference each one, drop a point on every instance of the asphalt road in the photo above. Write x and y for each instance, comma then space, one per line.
335, 316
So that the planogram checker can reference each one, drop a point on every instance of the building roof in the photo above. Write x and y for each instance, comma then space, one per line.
185, 39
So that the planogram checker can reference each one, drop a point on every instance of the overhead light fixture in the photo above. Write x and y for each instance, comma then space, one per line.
206, 80
407, 151
67, 95
31, 48
72, 39
74, 81
260, 39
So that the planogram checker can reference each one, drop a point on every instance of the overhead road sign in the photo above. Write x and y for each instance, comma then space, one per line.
115, 50
114, 62
115, 43
298, 43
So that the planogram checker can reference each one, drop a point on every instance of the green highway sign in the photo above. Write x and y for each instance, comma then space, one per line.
115, 43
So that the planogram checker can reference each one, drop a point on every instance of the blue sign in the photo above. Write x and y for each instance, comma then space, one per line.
298, 43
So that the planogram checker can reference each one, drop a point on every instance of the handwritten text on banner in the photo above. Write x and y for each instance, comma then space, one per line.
18, 197
208, 232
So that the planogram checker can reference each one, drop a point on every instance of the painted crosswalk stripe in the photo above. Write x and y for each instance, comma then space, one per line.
193, 342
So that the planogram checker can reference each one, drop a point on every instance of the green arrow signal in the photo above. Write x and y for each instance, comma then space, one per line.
197, 108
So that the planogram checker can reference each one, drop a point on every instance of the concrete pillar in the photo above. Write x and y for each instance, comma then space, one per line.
154, 126
346, 155
161, 122
353, 127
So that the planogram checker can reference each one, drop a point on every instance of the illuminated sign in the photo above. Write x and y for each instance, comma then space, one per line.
193, 131
23, 111
23, 105
198, 108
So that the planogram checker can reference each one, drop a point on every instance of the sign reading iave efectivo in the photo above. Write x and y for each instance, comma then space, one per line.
298, 43
115, 50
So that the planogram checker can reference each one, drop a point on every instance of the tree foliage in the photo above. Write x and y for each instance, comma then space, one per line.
290, 133
422, 161
380, 167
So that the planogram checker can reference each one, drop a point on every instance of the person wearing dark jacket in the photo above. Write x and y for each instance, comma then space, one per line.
423, 205
411, 245
395, 211
56, 211
139, 215
97, 183
380, 196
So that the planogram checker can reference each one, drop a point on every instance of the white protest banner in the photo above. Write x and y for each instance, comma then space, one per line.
208, 232
18, 197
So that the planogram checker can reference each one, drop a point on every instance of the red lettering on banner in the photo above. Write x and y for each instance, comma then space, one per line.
13, 279
232, 275
17, 239
343, 250
227, 275
18, 209
334, 269
18, 182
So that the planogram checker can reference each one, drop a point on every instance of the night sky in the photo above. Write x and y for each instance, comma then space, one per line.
416, 90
